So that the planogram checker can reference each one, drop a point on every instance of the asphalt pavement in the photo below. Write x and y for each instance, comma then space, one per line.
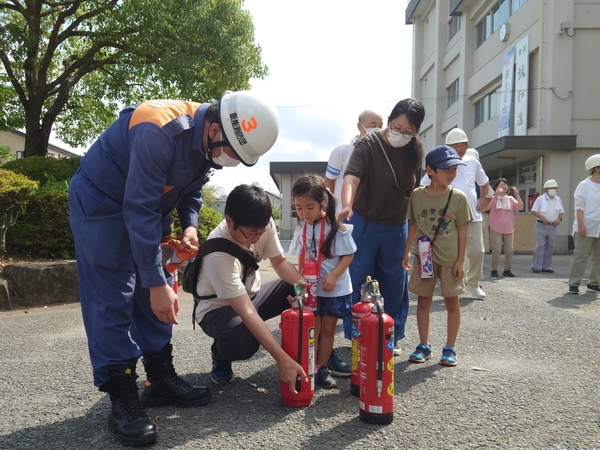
527, 377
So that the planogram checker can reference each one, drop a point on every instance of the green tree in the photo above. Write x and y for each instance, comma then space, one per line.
71, 64
211, 193
5, 154
274, 212
15, 190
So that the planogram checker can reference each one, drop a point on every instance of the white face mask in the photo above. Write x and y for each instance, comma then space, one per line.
225, 160
370, 129
551, 192
398, 139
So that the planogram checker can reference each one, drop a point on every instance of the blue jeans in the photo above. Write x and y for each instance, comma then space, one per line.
380, 250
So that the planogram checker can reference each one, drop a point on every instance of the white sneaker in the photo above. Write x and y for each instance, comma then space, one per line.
397, 349
476, 293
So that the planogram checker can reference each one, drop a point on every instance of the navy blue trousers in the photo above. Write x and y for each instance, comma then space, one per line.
118, 319
379, 253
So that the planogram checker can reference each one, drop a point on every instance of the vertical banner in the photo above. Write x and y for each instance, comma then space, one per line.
521, 86
506, 93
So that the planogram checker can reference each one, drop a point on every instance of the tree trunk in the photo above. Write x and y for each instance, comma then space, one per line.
36, 136
3, 239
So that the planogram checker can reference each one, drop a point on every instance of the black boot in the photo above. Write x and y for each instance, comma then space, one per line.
165, 387
127, 417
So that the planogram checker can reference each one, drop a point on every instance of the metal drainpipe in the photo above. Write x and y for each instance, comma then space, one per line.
541, 68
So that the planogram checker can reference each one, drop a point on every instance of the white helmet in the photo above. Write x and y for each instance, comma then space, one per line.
473, 153
250, 125
550, 184
592, 161
456, 136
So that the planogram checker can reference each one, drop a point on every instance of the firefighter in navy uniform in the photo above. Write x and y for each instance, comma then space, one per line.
153, 159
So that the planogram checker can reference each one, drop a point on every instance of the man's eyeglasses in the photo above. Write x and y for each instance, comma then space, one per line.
255, 234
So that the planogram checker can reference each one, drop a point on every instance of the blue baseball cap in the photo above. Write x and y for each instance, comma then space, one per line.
443, 157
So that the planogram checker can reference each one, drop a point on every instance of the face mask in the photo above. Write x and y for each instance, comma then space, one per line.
369, 130
398, 139
225, 160
551, 192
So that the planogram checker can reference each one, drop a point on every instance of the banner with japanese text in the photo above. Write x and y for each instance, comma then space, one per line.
506, 94
521, 86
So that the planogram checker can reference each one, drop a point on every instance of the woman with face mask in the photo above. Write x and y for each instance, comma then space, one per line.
384, 169
502, 208
548, 209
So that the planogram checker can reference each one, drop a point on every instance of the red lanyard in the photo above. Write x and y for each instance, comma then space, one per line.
317, 246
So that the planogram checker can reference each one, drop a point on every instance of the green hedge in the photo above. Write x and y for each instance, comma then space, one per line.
43, 230
43, 169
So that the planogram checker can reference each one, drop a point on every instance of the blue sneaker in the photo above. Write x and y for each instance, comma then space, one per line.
448, 357
337, 367
221, 371
421, 354
324, 379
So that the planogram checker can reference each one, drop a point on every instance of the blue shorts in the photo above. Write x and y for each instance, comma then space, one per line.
339, 307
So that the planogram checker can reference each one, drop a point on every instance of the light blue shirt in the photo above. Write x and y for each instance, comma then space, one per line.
342, 244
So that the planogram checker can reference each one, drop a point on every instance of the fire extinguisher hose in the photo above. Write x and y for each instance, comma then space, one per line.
379, 350
300, 333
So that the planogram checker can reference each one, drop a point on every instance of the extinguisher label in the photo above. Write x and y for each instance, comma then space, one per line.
390, 389
390, 365
376, 409
311, 356
390, 345
355, 355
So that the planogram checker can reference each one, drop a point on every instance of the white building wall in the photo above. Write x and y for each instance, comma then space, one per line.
563, 81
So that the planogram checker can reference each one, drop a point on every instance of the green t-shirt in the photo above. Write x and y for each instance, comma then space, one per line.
377, 196
425, 209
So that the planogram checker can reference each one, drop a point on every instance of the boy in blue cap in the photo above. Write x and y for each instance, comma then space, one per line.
438, 214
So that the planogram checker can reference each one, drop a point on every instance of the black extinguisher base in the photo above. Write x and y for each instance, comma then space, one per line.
377, 419
355, 390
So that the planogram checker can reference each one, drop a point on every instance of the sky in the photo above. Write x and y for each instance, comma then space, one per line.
328, 60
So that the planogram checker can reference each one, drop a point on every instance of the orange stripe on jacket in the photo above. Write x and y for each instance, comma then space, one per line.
161, 112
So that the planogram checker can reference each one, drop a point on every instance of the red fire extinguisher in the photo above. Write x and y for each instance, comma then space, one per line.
359, 310
310, 272
298, 340
377, 366
176, 281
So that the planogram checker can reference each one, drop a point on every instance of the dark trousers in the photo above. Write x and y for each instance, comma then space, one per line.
233, 341
117, 315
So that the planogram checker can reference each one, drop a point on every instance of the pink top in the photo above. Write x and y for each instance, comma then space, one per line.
503, 220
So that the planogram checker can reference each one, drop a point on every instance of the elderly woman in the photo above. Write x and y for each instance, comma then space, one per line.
502, 224
384, 169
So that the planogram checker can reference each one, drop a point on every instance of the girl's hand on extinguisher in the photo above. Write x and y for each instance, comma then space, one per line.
289, 371
291, 299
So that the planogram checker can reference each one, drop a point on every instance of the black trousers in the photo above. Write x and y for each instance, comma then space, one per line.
233, 341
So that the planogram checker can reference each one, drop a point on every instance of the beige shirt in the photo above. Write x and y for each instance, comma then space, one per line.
221, 274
